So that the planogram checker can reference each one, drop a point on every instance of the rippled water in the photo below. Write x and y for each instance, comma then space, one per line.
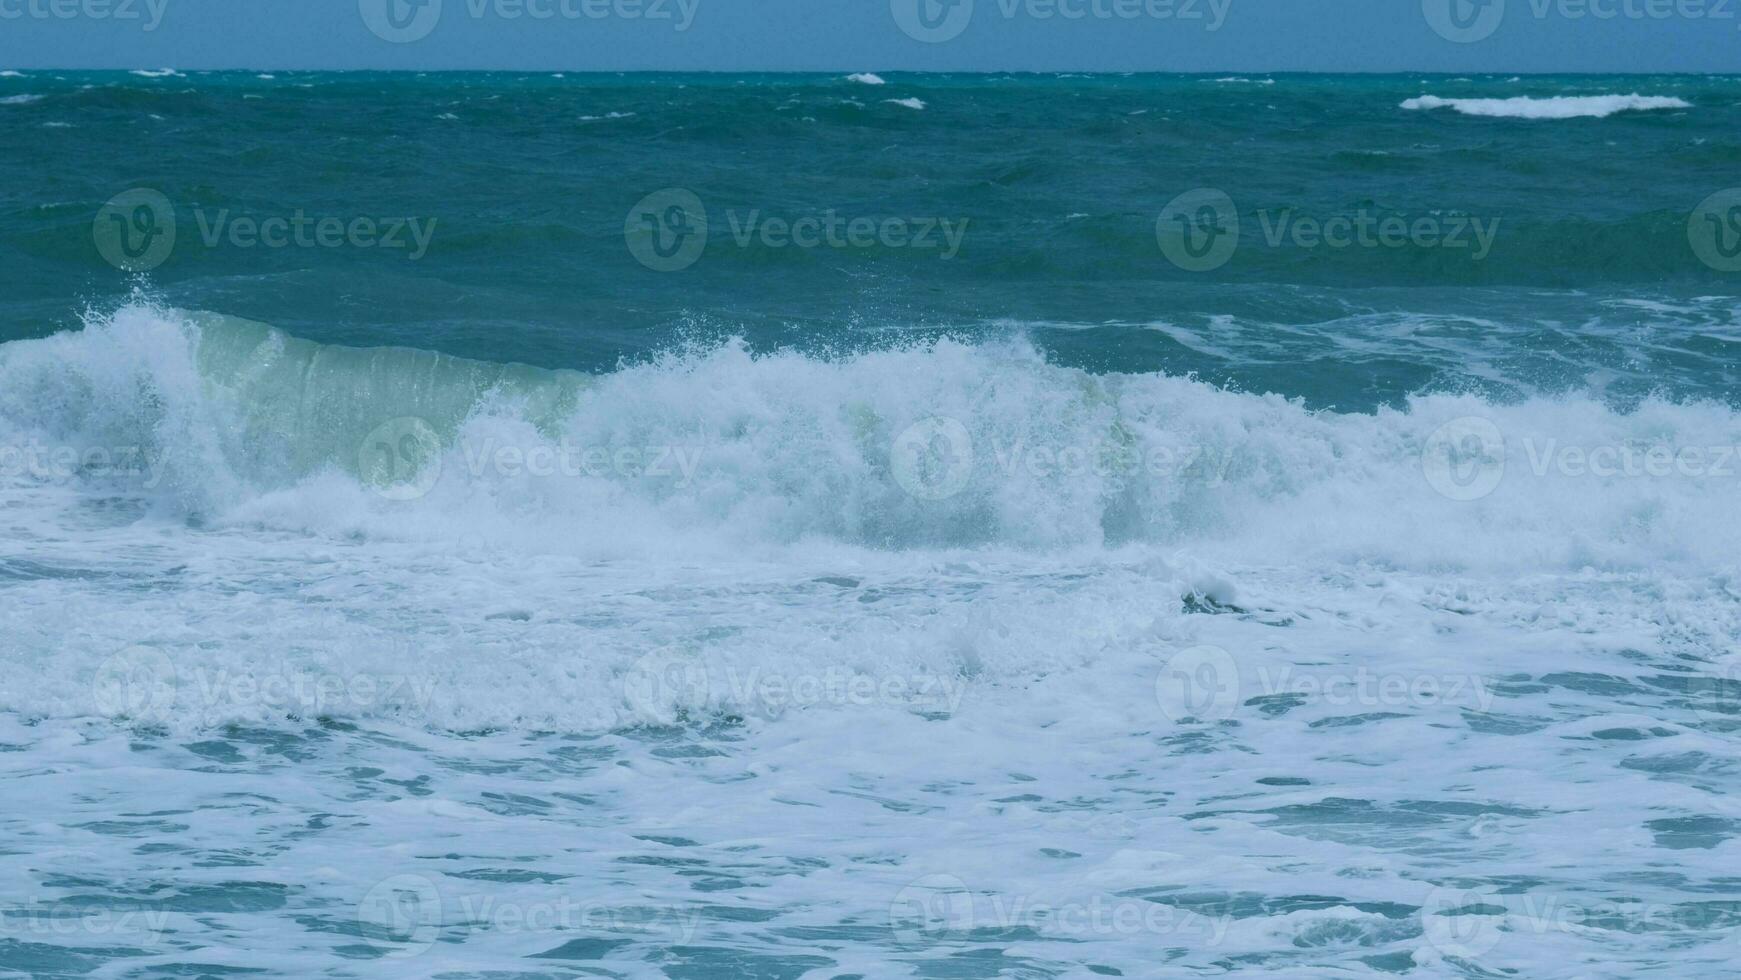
523, 611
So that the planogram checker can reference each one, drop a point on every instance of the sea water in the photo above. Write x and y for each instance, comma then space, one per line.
987, 588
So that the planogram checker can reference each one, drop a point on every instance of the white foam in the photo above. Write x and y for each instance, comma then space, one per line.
156, 73
1556, 107
776, 455
909, 103
24, 99
784, 539
866, 78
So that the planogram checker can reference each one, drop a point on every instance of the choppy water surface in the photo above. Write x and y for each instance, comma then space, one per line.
1048, 610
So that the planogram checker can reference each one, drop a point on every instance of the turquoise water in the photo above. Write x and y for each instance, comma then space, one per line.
1018, 576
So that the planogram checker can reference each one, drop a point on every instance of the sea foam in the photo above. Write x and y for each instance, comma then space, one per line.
1555, 107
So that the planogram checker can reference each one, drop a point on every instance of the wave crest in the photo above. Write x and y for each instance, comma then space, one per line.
936, 445
1555, 107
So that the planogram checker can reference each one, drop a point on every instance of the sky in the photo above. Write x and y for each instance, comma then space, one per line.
879, 35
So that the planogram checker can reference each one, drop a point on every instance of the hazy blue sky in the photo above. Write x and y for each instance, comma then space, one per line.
834, 35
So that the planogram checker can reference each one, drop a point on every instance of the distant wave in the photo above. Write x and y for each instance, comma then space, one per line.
909, 103
25, 99
866, 78
1556, 107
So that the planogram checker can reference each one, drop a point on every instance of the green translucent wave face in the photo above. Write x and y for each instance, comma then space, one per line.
373, 412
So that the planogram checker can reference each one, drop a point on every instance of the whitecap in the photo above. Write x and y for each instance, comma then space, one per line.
1555, 107
866, 78
909, 103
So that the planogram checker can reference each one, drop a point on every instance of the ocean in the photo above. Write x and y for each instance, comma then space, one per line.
494, 526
